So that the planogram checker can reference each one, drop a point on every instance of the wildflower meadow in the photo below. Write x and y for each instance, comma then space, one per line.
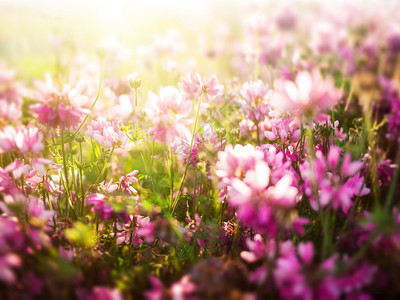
231, 150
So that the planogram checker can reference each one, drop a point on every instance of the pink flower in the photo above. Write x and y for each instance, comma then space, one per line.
145, 229
59, 108
109, 187
183, 288
10, 111
18, 169
257, 189
29, 140
36, 209
105, 293
168, 111
38, 165
309, 95
306, 251
10, 95
284, 129
209, 140
257, 249
254, 103
7, 263
326, 180
194, 86
104, 210
156, 292
130, 177
22, 139
107, 133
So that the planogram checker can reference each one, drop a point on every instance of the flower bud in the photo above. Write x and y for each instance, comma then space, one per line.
135, 82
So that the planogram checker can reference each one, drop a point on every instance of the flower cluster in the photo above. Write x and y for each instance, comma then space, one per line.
330, 181
107, 133
59, 108
169, 111
258, 189
22, 139
307, 96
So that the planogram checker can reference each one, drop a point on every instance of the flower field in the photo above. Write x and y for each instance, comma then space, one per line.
251, 152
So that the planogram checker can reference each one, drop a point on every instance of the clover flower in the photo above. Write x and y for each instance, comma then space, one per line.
22, 139
107, 133
254, 100
59, 108
168, 112
257, 189
307, 96
10, 95
329, 181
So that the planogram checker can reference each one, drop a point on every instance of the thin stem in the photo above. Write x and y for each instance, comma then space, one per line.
105, 165
171, 172
392, 189
188, 160
66, 171
94, 102
81, 178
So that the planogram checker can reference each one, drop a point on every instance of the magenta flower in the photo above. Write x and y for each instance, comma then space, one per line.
257, 189
36, 209
7, 263
183, 288
157, 290
129, 179
284, 131
105, 293
103, 210
145, 229
329, 181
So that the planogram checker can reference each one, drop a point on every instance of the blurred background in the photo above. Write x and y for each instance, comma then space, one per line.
43, 35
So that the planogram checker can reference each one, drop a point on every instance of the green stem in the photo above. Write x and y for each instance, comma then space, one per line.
66, 171
105, 165
81, 178
94, 102
392, 189
171, 172
188, 160
326, 244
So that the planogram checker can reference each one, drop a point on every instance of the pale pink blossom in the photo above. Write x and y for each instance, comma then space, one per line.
169, 112
22, 139
107, 133
59, 108
307, 96
38, 165
254, 100
10, 95
194, 86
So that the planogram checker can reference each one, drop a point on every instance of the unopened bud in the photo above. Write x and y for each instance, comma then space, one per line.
135, 82
221, 133
235, 133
